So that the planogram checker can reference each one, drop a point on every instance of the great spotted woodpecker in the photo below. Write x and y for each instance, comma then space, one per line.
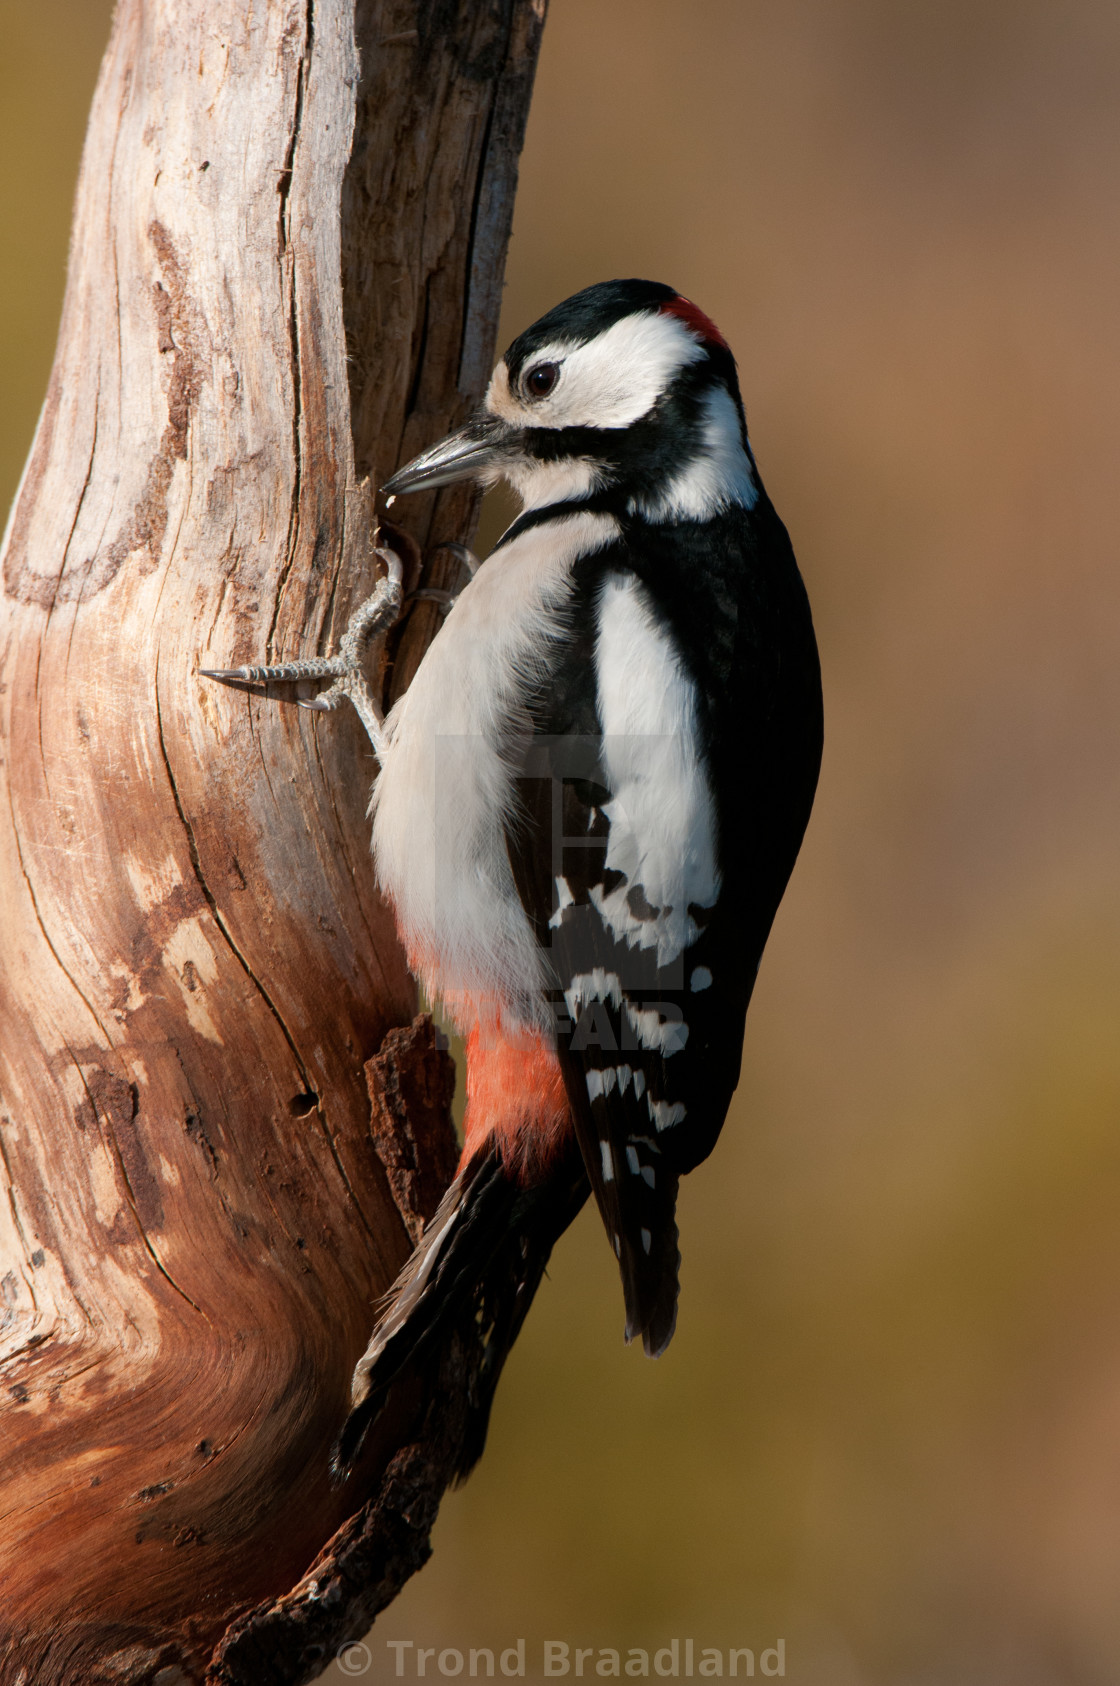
590, 801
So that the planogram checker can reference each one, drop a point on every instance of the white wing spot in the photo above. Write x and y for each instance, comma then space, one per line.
639, 1085
565, 899
701, 979
596, 985
632, 1160
662, 1036
649, 1175
599, 1082
617, 1247
647, 1240
624, 1076
666, 1113
608, 1162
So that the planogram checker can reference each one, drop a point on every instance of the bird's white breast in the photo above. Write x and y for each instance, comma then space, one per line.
445, 793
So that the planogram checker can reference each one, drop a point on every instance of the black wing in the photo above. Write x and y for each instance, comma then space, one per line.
649, 1043
650, 998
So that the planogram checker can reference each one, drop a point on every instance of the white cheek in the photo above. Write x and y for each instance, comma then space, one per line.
620, 375
610, 382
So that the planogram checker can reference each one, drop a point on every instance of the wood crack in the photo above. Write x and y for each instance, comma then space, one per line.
289, 268
107, 1125
211, 901
61, 964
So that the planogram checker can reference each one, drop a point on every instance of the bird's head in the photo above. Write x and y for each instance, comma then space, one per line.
626, 394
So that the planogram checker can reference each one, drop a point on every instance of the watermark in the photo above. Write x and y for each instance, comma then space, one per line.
680, 1659
355, 1658
619, 850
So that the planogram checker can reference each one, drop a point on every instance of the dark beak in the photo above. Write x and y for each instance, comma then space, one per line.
477, 452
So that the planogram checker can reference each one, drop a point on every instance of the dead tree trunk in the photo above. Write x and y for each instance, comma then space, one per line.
285, 273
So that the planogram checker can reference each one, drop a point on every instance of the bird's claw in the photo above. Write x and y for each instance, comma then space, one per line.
429, 594
463, 554
373, 616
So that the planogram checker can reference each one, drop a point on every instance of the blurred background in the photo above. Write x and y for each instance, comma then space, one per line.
888, 1429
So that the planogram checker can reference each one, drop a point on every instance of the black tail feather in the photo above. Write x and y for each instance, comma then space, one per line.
472, 1276
651, 1281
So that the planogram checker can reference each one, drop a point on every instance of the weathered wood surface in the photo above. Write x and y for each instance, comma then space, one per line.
196, 974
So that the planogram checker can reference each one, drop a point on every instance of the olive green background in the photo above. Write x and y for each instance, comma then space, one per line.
888, 1429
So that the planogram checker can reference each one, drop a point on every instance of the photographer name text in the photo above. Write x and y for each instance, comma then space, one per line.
680, 1659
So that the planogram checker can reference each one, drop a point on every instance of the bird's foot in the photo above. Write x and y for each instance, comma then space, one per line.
345, 669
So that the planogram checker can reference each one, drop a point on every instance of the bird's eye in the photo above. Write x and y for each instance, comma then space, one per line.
541, 379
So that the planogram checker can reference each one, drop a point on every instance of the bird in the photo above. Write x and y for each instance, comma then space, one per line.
590, 800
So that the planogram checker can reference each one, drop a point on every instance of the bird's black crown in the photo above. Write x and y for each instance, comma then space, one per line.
585, 315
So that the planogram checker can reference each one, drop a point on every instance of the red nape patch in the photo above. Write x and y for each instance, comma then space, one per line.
693, 317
